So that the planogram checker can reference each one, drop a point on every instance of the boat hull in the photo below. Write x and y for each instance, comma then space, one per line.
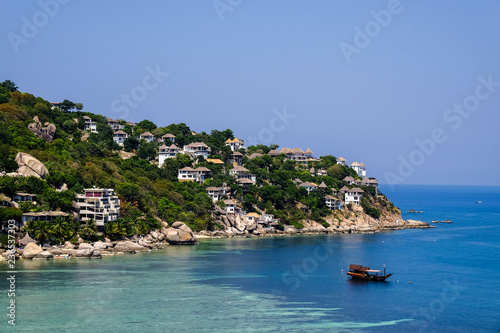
368, 277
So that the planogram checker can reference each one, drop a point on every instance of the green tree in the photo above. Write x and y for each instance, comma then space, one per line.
146, 125
88, 231
9, 85
39, 230
67, 105
79, 106
62, 229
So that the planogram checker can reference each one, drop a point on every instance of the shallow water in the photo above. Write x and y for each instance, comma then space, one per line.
288, 284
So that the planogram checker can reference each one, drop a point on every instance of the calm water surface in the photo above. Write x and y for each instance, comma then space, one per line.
292, 284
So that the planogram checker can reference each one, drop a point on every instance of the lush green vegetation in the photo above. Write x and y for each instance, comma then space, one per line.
147, 192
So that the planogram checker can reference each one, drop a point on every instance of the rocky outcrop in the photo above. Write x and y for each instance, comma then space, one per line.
45, 132
129, 247
31, 250
179, 234
30, 166
44, 255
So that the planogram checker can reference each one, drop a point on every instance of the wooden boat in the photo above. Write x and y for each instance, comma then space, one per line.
446, 221
359, 272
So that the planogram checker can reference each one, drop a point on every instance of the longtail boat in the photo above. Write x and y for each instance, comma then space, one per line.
360, 272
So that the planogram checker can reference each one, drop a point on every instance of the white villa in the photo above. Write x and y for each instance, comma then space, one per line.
99, 204
148, 136
40, 216
252, 217
370, 182
90, 125
354, 195
341, 161
165, 152
216, 193
235, 144
230, 206
309, 186
241, 172
119, 137
349, 180
359, 168
189, 174
197, 149
333, 203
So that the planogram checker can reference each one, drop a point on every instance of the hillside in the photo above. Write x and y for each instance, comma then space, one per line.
76, 159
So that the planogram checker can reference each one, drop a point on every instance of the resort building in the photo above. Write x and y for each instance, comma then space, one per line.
341, 161
189, 174
119, 137
309, 186
344, 189
40, 216
333, 203
236, 158
114, 124
354, 195
165, 152
240, 172
197, 149
252, 217
254, 155
89, 125
101, 205
359, 168
148, 136
167, 138
349, 180
235, 144
370, 182
22, 197
297, 154
322, 187
230, 206
216, 193
273, 153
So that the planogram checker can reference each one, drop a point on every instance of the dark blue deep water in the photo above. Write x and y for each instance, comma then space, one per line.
288, 284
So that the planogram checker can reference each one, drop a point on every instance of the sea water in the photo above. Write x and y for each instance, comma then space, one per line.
445, 279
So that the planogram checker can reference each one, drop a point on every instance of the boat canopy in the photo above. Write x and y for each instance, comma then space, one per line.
359, 268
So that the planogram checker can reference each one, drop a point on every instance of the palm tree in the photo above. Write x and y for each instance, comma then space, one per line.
88, 230
62, 229
39, 230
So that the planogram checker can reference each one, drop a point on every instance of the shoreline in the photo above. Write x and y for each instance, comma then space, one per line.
154, 241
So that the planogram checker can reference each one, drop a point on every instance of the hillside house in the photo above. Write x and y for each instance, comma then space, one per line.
333, 203
359, 168
23, 197
197, 149
114, 124
236, 158
309, 186
167, 138
349, 180
297, 154
341, 161
215, 193
89, 125
165, 152
119, 137
235, 144
148, 136
354, 195
230, 206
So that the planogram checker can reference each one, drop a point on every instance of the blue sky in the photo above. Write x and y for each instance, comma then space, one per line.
365, 80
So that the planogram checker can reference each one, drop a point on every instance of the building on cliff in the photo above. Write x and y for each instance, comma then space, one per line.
354, 195
235, 144
165, 152
359, 168
101, 205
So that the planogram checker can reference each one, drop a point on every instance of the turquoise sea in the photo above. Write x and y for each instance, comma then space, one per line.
285, 284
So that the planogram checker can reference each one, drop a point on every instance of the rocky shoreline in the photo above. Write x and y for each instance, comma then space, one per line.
180, 234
